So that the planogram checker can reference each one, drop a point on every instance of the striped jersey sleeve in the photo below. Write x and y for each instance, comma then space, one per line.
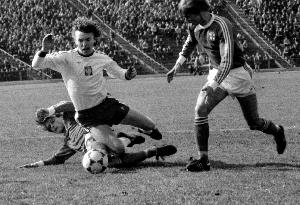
226, 46
63, 154
189, 45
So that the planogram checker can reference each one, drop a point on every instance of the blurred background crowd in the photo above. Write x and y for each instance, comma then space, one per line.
153, 26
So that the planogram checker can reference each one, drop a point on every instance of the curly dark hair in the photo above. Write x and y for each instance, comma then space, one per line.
86, 25
187, 7
43, 123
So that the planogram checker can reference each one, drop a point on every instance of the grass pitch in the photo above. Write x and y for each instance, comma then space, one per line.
245, 166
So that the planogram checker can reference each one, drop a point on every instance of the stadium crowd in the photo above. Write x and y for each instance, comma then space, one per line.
152, 25
279, 21
23, 23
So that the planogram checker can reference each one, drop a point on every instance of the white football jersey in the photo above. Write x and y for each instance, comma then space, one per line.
83, 76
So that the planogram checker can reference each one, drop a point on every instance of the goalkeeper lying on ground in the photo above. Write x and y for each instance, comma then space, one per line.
59, 118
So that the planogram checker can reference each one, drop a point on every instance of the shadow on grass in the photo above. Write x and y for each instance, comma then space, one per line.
270, 166
147, 164
214, 165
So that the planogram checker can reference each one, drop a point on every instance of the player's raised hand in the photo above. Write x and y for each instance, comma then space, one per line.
172, 72
41, 114
130, 73
48, 42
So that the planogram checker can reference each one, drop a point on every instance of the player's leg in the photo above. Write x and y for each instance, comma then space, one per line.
127, 159
203, 107
133, 158
112, 112
110, 139
139, 120
104, 135
250, 111
130, 139
146, 125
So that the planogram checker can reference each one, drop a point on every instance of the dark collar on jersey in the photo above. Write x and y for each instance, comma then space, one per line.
85, 55
199, 27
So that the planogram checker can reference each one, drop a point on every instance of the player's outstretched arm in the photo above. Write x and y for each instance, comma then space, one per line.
173, 71
63, 106
47, 45
64, 153
33, 165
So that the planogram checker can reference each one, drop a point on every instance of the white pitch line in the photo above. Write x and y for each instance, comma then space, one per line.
173, 131
224, 130
33, 138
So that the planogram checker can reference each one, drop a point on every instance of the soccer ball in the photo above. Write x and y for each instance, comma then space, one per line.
95, 161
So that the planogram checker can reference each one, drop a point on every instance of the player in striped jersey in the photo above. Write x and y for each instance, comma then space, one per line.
82, 71
230, 76
79, 139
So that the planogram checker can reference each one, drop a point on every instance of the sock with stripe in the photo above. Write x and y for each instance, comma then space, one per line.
202, 134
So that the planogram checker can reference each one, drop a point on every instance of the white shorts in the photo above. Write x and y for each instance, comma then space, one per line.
238, 82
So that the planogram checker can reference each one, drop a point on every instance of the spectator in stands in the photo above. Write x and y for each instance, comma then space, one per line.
286, 52
279, 21
286, 41
197, 66
257, 61
266, 60
245, 45
240, 37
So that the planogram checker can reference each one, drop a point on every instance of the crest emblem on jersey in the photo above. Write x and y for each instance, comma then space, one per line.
211, 36
88, 70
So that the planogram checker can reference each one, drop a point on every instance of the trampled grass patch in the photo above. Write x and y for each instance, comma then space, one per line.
245, 166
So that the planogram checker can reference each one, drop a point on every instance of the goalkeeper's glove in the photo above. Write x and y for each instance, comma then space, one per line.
130, 73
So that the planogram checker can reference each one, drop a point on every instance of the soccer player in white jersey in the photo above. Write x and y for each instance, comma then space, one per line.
230, 76
82, 72
77, 139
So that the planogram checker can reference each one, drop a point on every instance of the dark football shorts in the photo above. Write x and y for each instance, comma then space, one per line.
109, 112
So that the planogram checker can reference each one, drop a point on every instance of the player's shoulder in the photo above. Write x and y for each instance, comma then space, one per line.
62, 53
98, 52
221, 25
71, 52
221, 21
101, 55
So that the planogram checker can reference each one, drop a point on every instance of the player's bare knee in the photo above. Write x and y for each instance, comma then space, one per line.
201, 110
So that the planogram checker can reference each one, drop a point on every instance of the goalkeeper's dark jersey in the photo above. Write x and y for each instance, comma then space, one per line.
73, 142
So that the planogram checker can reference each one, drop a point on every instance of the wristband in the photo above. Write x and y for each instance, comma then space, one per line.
40, 163
42, 54
213, 84
51, 110
128, 74
181, 60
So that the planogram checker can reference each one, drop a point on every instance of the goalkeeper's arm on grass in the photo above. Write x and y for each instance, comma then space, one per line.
60, 157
